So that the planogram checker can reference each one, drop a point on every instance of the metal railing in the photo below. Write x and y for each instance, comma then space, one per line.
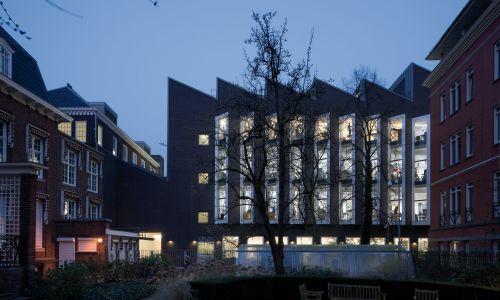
9, 251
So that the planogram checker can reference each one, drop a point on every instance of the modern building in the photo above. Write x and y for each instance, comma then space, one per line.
465, 121
196, 121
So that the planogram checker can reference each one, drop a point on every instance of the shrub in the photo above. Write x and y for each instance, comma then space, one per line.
65, 282
126, 290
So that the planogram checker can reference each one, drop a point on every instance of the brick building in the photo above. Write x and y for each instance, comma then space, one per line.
465, 119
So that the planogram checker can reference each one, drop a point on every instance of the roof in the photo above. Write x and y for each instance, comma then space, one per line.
25, 71
469, 14
66, 97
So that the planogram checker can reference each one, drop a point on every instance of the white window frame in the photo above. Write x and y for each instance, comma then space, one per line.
36, 155
455, 205
115, 146
93, 211
469, 141
469, 201
66, 208
455, 95
442, 156
134, 158
124, 153
442, 108
93, 171
221, 133
6, 53
143, 163
469, 85
81, 131
69, 168
455, 145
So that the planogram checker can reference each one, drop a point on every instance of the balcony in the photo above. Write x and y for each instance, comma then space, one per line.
9, 251
468, 215
455, 218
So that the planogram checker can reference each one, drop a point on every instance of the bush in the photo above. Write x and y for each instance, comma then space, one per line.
126, 290
64, 283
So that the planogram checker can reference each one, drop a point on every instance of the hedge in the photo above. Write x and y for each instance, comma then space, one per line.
286, 287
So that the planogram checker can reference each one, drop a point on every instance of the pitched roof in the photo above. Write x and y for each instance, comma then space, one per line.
66, 97
25, 71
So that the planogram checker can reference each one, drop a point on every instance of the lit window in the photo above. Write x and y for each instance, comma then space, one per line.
442, 108
454, 97
203, 217
255, 240
469, 141
285, 240
304, 240
230, 246
81, 131
469, 199
328, 240
202, 178
321, 205
246, 204
352, 240
377, 241
454, 149
496, 121
65, 127
99, 135
346, 203
93, 170
36, 148
70, 208
115, 146
5, 60
346, 129
221, 203
442, 155
93, 211
322, 127
3, 141
496, 75
469, 85
297, 128
134, 158
423, 244
455, 205
69, 162
405, 243
203, 139
271, 127
272, 202
125, 153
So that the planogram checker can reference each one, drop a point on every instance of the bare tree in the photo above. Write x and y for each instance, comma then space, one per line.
270, 158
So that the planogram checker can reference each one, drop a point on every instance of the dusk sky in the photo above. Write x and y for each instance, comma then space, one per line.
122, 52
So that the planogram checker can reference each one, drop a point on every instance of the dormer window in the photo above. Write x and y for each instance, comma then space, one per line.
5, 59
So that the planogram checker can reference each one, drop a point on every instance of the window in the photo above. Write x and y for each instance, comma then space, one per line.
442, 108
272, 202
203, 217
455, 205
115, 146
496, 75
202, 178
3, 141
99, 135
255, 240
203, 139
423, 244
352, 240
70, 208
322, 127
65, 127
134, 158
221, 203
143, 163
346, 203
469, 85
442, 207
5, 60
81, 131
230, 246
36, 150
93, 211
304, 240
496, 129
454, 97
125, 153
328, 240
469, 141
469, 194
496, 194
442, 151
93, 170
454, 149
69, 164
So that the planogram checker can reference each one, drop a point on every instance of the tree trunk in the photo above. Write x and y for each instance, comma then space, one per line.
366, 227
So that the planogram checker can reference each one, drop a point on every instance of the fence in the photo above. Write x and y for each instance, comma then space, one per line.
183, 257
426, 262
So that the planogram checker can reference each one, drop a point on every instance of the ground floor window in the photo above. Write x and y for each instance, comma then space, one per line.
352, 240
405, 243
230, 246
423, 244
377, 241
255, 240
304, 240
150, 243
328, 240
205, 251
